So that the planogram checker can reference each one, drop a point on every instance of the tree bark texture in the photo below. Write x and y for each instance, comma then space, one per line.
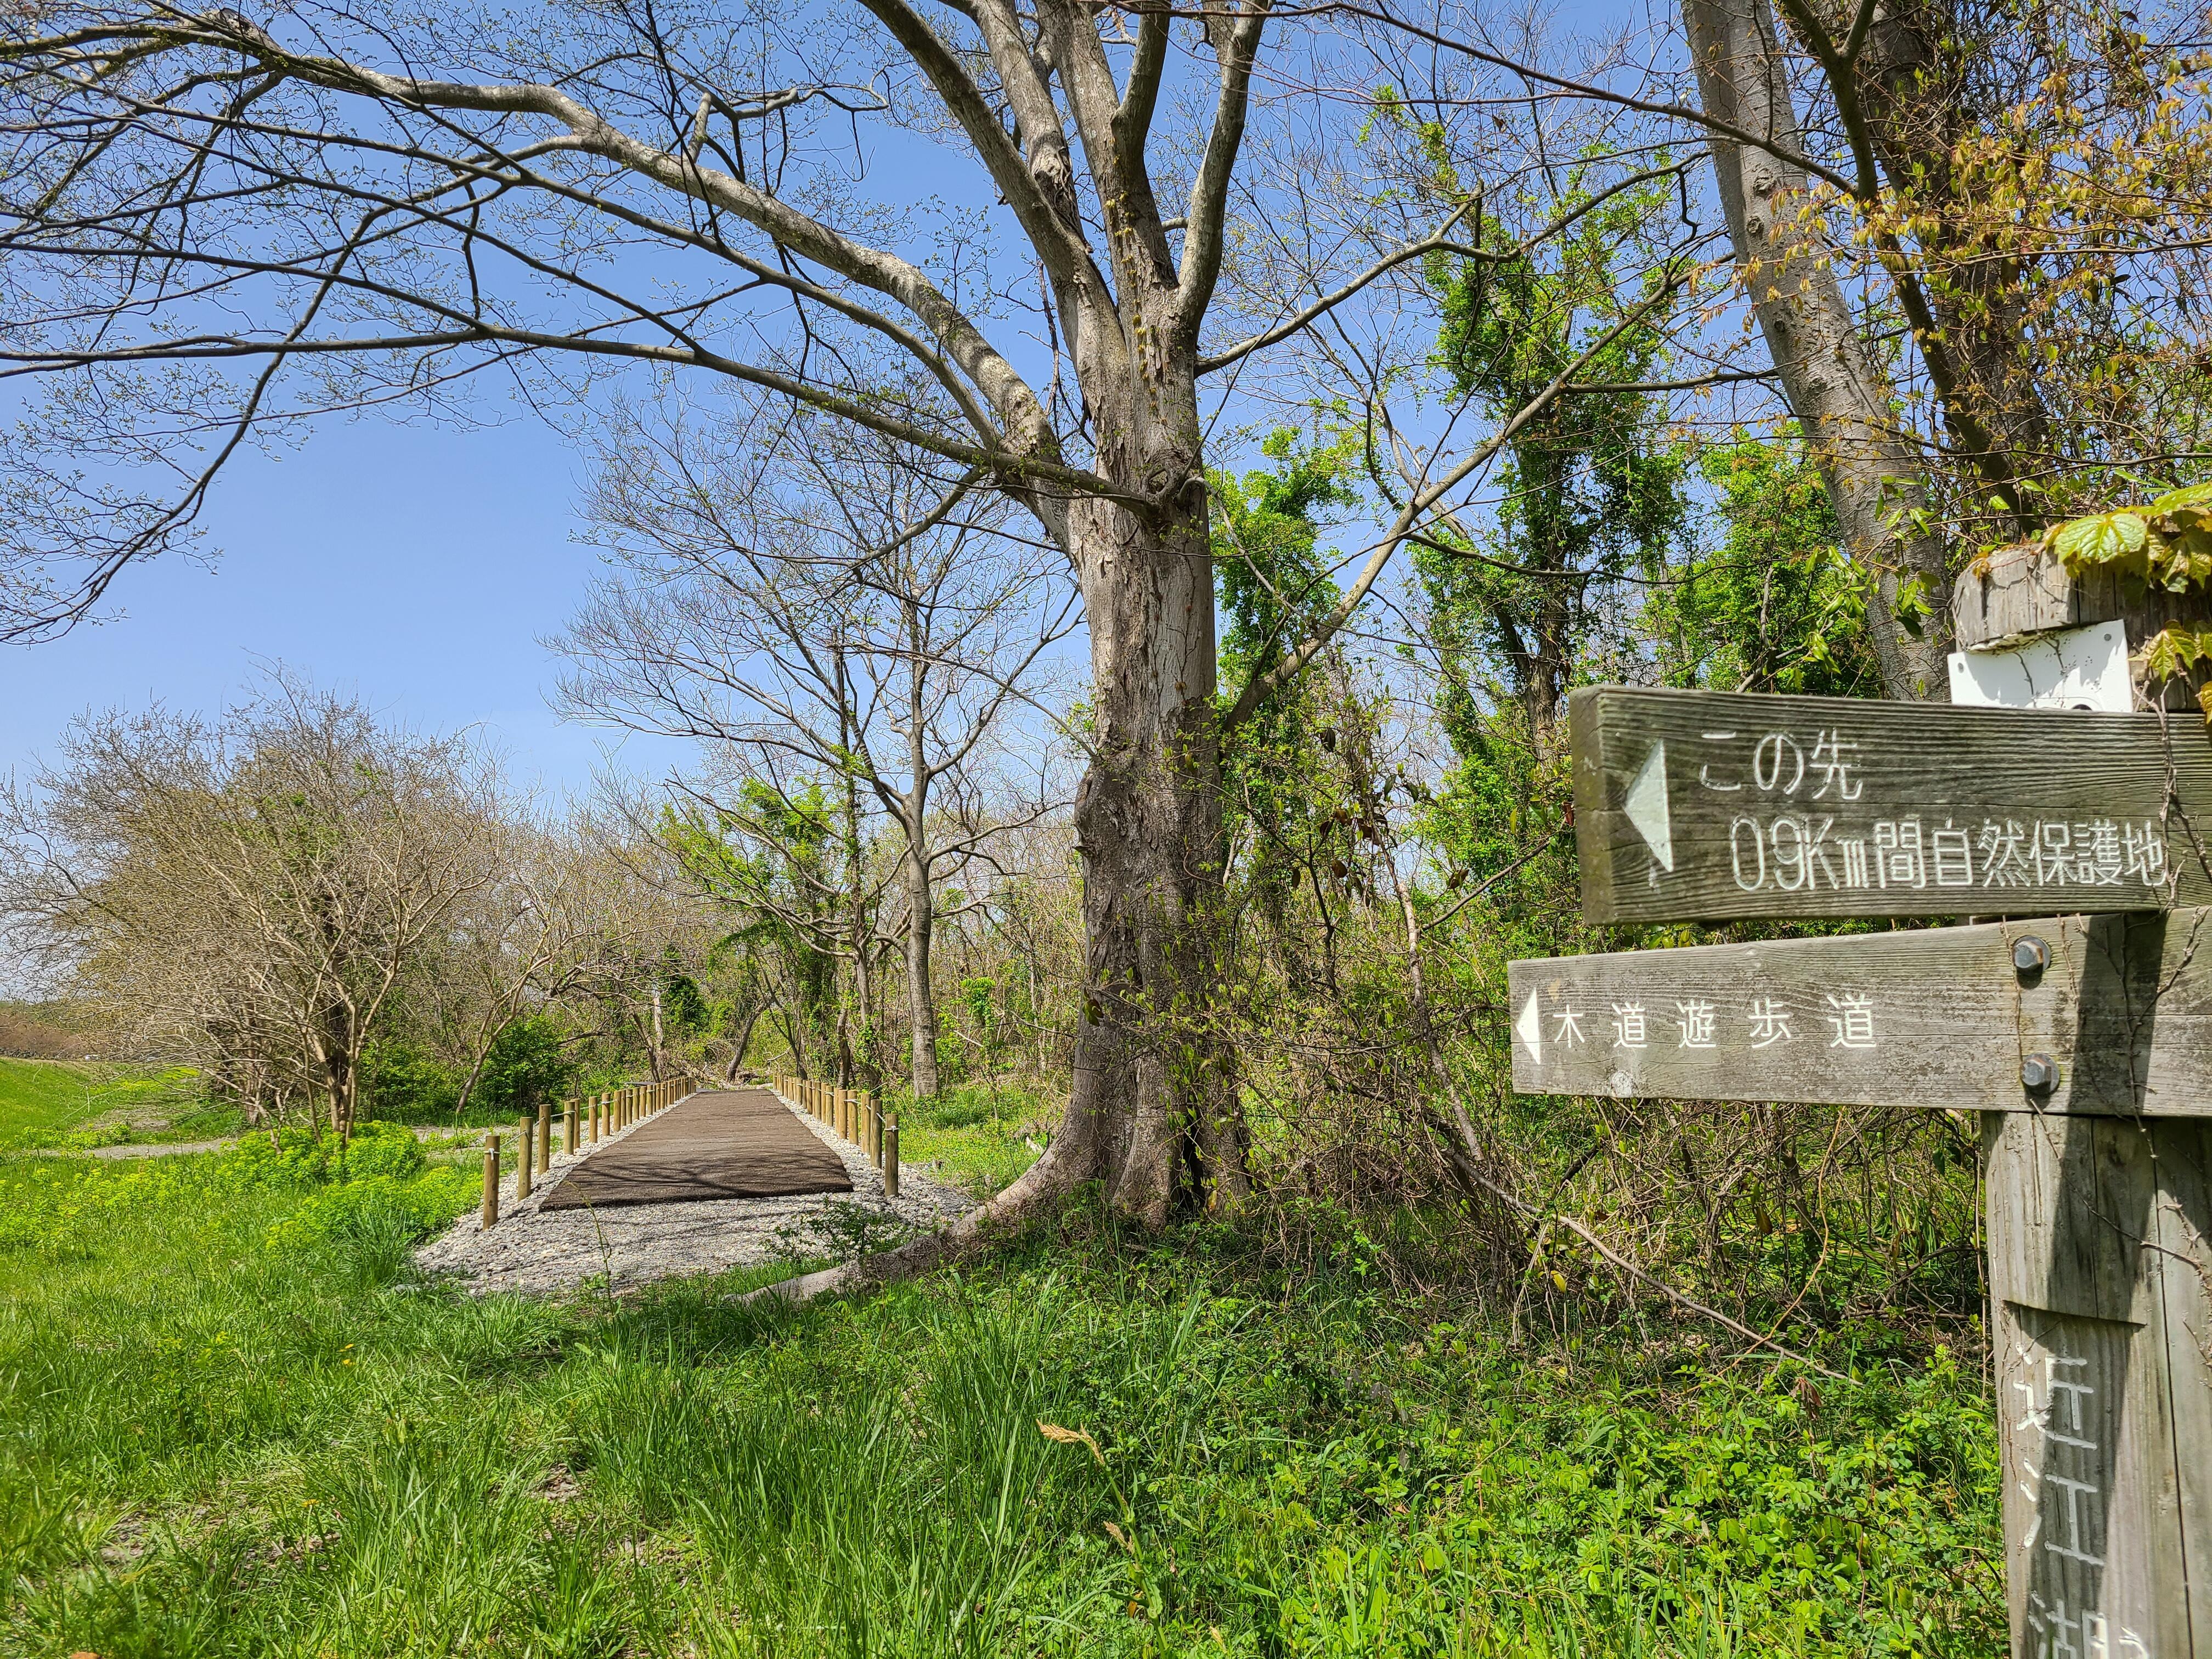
1842, 405
921, 1004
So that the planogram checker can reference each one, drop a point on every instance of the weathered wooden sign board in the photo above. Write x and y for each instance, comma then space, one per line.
2084, 1040
1705, 805
2099, 1014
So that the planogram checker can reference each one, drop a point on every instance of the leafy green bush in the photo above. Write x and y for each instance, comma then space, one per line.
526, 1066
57, 1204
403, 1083
303, 1157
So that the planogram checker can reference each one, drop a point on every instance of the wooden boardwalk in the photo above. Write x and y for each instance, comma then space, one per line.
738, 1143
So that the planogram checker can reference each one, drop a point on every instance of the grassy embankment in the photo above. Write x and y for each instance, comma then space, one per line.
235, 1423
73, 1105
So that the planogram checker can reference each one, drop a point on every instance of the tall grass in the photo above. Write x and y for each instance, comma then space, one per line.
224, 1432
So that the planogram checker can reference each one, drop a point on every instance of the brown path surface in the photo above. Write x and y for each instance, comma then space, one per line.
742, 1143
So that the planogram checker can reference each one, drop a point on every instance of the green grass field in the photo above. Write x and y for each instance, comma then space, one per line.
235, 1423
62, 1104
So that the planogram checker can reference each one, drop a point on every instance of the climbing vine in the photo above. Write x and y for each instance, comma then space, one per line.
2166, 544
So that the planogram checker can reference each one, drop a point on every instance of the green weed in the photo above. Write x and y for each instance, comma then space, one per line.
234, 1421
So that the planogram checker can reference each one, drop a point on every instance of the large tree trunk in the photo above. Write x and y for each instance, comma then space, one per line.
1843, 405
1143, 1119
1914, 80
1151, 1118
920, 1005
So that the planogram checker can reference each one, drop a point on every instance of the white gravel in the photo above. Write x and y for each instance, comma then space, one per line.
544, 1253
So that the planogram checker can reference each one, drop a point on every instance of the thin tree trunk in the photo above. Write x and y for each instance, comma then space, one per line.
920, 1005
743, 1041
659, 1036
1843, 407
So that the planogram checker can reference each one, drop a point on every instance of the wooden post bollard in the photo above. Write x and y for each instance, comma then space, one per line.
891, 1158
491, 1181
544, 1136
568, 1131
522, 1151
875, 1120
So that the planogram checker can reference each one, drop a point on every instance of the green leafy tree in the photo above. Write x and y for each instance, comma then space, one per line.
767, 858
1591, 495
527, 1065
1774, 603
1274, 589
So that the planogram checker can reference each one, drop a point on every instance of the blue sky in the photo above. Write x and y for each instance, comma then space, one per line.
417, 566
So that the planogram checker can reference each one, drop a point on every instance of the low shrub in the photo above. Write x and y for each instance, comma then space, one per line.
300, 1156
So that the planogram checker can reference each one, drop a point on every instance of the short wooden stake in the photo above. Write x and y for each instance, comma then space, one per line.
522, 1151
891, 1158
569, 1129
544, 1136
491, 1181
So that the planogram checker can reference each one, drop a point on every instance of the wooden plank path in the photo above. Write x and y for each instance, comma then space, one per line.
736, 1143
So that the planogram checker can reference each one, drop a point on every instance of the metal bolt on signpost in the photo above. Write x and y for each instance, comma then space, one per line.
491, 1181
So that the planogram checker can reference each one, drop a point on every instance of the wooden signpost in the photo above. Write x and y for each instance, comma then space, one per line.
1694, 805
2084, 1040
2089, 1014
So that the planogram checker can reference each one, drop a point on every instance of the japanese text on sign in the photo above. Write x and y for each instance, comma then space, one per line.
1798, 831
1641, 1024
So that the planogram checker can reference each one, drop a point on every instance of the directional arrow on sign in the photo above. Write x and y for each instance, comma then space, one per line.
1702, 804
1531, 1027
1645, 807
1937, 1017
